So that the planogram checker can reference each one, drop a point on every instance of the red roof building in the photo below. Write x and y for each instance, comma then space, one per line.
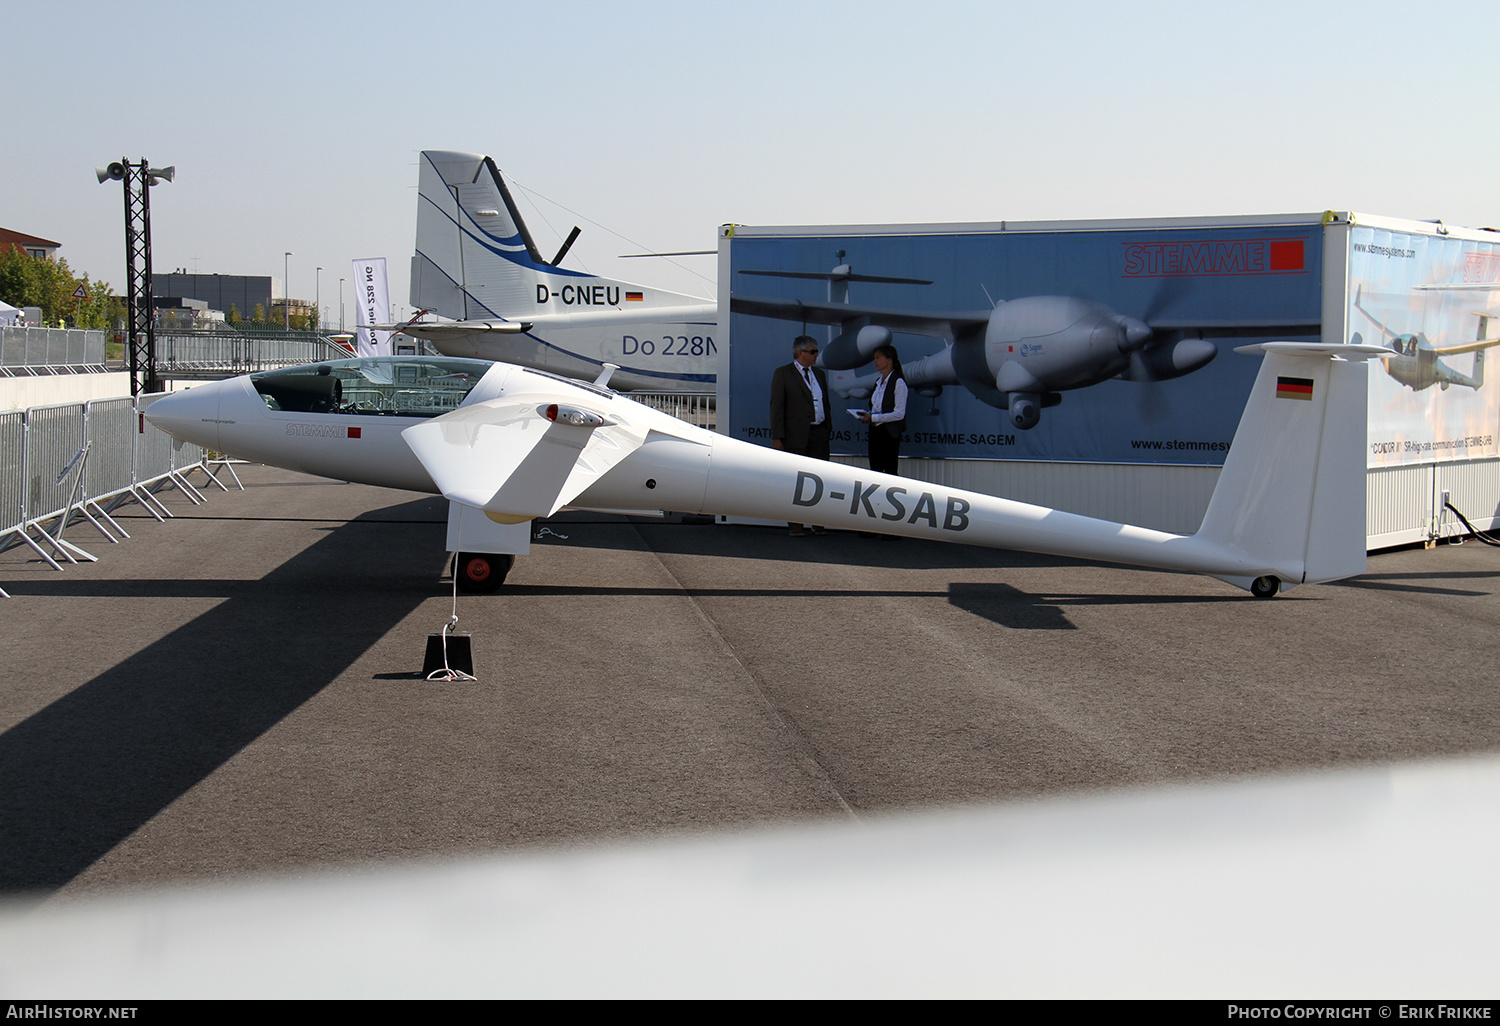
31, 245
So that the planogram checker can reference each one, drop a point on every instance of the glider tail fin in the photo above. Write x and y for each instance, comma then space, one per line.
1292, 492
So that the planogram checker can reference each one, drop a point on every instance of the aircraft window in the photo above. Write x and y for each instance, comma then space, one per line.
372, 387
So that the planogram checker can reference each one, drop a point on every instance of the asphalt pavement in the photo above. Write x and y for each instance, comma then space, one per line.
236, 691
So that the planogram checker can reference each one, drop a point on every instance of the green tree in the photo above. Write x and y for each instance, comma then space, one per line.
15, 277
52, 287
50, 284
101, 308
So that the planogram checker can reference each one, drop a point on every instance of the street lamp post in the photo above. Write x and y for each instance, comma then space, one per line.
341, 306
318, 300
286, 291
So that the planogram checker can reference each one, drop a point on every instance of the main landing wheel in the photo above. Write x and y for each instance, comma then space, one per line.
481, 571
1265, 587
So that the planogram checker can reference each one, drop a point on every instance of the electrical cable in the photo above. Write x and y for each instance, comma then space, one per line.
1480, 535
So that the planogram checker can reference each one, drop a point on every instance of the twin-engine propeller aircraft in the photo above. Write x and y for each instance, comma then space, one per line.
520, 444
476, 263
1019, 355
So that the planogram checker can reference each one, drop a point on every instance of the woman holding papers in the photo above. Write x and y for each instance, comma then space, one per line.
887, 413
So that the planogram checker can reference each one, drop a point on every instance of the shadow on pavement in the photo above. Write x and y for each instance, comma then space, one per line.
86, 771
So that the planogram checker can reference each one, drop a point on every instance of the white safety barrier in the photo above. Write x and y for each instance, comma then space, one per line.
27, 350
78, 461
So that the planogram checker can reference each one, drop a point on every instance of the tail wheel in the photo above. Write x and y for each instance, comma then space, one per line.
1265, 587
481, 571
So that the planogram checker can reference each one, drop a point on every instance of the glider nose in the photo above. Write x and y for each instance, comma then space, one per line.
191, 415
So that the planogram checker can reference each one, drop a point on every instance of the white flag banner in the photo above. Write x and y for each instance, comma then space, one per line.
372, 306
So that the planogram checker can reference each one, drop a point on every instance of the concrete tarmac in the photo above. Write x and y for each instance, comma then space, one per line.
236, 691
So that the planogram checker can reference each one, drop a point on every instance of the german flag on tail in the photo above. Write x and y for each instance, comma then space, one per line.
1294, 388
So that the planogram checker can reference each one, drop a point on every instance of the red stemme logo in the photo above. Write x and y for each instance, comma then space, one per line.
1214, 257
1481, 267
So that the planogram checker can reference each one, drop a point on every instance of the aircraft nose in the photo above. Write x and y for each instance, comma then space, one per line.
191, 415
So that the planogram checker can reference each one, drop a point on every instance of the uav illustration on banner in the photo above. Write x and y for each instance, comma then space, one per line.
1417, 363
1421, 295
1019, 355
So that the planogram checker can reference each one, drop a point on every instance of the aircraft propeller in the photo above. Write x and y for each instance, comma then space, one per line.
1168, 291
1151, 400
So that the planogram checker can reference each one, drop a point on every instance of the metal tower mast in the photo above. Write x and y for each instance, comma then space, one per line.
141, 322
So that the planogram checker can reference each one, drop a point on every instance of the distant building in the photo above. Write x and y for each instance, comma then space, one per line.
296, 307
176, 313
241, 292
31, 245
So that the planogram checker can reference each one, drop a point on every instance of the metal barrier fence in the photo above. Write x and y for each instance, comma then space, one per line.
25, 350
53, 435
184, 355
12, 468
696, 408
111, 428
179, 354
80, 460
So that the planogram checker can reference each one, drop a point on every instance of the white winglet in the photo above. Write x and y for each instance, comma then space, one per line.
506, 457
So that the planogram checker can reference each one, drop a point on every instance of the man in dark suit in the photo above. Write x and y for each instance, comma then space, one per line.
799, 409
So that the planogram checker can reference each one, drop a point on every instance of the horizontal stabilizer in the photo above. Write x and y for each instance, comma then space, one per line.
508, 458
452, 329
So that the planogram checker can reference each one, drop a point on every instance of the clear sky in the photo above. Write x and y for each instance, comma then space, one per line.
296, 126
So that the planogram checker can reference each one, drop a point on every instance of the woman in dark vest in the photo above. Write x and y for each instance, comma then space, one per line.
887, 416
